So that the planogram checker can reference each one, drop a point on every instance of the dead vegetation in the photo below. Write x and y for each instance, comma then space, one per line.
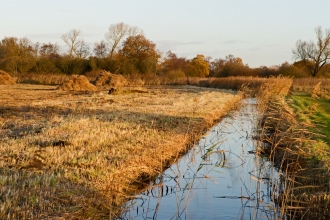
106, 80
77, 83
302, 160
81, 155
103, 78
234, 83
321, 86
42, 79
6, 79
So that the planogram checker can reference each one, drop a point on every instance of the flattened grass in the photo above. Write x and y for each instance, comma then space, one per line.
78, 154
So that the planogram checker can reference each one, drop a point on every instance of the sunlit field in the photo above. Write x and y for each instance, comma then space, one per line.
83, 154
95, 111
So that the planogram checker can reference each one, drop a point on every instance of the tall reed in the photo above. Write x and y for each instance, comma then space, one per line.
308, 85
302, 193
42, 79
233, 83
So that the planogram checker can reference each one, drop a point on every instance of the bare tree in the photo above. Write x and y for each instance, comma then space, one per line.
314, 56
71, 39
117, 33
100, 49
83, 50
36, 49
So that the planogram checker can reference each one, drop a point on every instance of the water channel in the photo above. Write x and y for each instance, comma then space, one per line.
222, 177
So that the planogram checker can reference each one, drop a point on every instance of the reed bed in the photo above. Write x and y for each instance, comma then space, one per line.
134, 79
308, 85
152, 79
41, 79
233, 83
303, 162
80, 155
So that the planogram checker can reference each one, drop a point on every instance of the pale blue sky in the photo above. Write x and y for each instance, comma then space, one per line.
261, 32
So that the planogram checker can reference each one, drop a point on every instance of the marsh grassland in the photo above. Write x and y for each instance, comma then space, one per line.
78, 155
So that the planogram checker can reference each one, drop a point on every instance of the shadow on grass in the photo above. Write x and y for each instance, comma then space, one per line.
41, 116
37, 194
33, 192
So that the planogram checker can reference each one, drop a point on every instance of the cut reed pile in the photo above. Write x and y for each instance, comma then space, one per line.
77, 83
6, 79
302, 161
81, 155
106, 80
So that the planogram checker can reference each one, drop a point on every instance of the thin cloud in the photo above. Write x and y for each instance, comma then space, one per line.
263, 46
173, 45
255, 48
193, 43
45, 37
270, 45
232, 42
68, 11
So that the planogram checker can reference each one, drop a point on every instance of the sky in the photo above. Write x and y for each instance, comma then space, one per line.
260, 32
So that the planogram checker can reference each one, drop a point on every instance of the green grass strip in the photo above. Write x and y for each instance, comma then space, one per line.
314, 111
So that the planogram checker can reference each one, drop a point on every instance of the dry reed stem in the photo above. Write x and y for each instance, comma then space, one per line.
303, 193
316, 91
309, 84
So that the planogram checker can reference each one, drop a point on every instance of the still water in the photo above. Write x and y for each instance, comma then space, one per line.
222, 177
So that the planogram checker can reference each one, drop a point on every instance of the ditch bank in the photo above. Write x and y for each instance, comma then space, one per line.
293, 149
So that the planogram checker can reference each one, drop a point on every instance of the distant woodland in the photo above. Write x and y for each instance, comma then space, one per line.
126, 50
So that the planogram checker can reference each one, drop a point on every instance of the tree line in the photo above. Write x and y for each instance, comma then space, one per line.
126, 50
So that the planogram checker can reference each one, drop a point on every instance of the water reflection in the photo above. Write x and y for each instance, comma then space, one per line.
221, 178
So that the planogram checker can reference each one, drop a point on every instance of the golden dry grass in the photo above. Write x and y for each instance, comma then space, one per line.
234, 83
77, 83
6, 79
42, 79
106, 80
81, 155
302, 160
309, 84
